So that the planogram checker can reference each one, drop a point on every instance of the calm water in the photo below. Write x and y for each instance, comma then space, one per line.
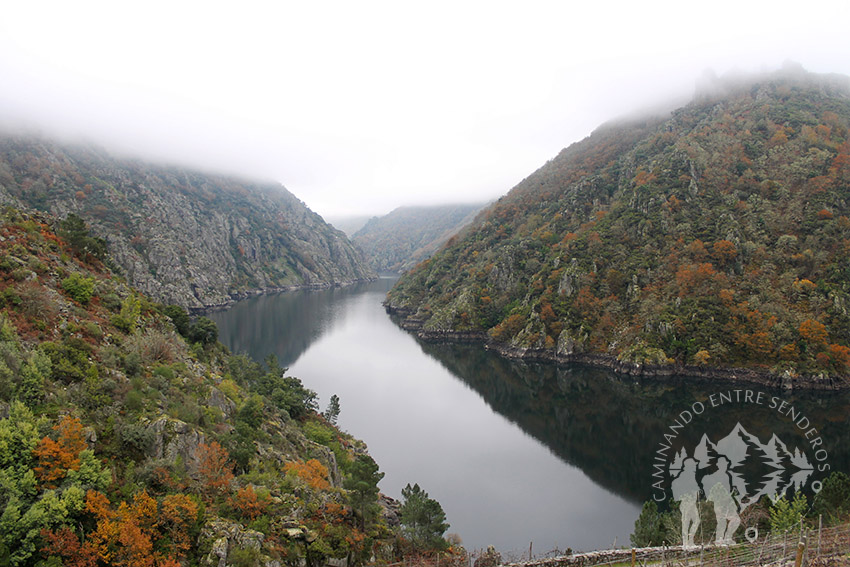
515, 453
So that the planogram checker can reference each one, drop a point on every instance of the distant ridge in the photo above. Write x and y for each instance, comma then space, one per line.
404, 237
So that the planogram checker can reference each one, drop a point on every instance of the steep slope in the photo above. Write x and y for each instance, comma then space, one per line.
180, 236
401, 239
128, 436
716, 236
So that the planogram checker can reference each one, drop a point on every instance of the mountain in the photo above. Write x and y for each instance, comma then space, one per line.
401, 239
180, 236
715, 236
348, 224
129, 436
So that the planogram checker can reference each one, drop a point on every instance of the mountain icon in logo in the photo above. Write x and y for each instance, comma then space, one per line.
755, 468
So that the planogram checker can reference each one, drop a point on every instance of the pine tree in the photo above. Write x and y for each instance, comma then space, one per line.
423, 520
332, 411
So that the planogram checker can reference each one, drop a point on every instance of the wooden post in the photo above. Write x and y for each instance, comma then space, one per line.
633, 557
820, 527
801, 547
530, 556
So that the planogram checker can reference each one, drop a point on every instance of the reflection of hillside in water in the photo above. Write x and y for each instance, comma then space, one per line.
611, 428
286, 324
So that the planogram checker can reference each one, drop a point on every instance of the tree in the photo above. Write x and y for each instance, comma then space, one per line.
833, 501
363, 484
786, 514
56, 458
423, 520
204, 331
76, 233
649, 527
332, 411
179, 317
214, 468
813, 332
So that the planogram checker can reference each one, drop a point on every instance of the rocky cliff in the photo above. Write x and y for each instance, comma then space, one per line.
181, 236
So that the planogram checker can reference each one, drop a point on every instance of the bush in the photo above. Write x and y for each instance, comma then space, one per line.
79, 288
204, 331
179, 317
153, 346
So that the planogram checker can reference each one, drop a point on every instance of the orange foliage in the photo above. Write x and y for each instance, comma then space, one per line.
249, 504
547, 314
65, 544
56, 458
819, 184
97, 504
178, 512
214, 468
690, 276
727, 296
724, 251
789, 352
643, 177
674, 203
314, 473
127, 536
824, 214
813, 331
840, 356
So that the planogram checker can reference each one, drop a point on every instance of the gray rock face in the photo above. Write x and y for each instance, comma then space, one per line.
173, 438
225, 536
180, 236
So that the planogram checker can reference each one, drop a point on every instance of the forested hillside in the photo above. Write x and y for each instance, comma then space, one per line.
715, 236
399, 240
181, 236
129, 436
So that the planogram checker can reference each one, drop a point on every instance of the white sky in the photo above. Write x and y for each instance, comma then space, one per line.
358, 106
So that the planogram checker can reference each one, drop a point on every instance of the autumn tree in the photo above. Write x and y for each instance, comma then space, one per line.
250, 504
813, 332
56, 458
312, 472
214, 468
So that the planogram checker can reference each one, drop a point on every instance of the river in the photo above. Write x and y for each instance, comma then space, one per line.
516, 453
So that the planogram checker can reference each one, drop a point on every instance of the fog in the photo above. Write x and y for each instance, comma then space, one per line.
360, 107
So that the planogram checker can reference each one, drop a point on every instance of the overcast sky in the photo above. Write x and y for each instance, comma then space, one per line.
357, 106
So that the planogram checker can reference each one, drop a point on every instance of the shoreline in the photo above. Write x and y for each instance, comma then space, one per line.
239, 296
716, 374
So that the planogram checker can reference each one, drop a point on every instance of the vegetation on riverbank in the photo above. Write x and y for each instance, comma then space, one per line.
129, 436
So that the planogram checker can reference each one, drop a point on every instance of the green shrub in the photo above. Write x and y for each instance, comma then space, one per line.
111, 301
164, 371
315, 431
80, 288
92, 329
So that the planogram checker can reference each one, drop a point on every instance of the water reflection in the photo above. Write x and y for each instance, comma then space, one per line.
286, 324
515, 452
611, 428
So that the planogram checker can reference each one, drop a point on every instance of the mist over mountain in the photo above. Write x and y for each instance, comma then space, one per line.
716, 235
181, 236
